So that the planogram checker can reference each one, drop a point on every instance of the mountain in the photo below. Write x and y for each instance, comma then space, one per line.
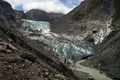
90, 14
40, 15
96, 21
7, 14
108, 53
22, 58
99, 19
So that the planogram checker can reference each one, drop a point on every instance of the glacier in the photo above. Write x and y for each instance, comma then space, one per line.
70, 48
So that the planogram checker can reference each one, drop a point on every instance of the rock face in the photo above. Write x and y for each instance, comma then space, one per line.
7, 13
21, 58
107, 53
39, 15
88, 15
96, 14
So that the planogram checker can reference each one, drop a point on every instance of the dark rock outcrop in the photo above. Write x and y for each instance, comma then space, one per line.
107, 53
88, 15
93, 14
13, 66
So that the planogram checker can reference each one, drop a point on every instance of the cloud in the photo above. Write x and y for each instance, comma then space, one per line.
47, 5
73, 3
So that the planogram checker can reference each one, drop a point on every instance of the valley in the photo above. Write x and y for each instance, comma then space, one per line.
80, 45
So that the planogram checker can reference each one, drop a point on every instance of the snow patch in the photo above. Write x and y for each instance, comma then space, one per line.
103, 32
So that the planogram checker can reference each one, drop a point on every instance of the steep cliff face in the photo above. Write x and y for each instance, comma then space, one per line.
89, 15
108, 53
8, 15
21, 58
40, 15
96, 18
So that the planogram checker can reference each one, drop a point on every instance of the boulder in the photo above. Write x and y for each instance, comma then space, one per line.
94, 31
60, 76
29, 56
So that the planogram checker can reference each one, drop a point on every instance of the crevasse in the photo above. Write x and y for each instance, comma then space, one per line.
70, 48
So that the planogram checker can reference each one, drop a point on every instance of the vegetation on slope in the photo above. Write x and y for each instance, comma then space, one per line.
116, 16
78, 15
92, 6
95, 3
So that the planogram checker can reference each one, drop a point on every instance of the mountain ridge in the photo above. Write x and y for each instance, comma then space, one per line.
100, 14
22, 58
45, 63
40, 15
106, 52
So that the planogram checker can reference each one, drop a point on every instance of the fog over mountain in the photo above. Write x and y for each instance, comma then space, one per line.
56, 6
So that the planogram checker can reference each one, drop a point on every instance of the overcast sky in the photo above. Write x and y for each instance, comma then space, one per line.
57, 6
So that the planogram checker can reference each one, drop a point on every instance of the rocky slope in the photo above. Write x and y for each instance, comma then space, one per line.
108, 53
21, 58
89, 15
92, 18
39, 15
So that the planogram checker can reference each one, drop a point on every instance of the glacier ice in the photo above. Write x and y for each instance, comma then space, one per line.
68, 47
36, 25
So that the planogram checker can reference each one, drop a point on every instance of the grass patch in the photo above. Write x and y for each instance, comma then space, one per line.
117, 11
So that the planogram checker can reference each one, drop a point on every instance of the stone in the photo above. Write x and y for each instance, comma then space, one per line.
29, 56
2, 49
1, 40
45, 70
9, 66
11, 47
32, 73
90, 78
101, 72
23, 65
1, 75
10, 40
94, 31
60, 76
8, 51
45, 74
7, 46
